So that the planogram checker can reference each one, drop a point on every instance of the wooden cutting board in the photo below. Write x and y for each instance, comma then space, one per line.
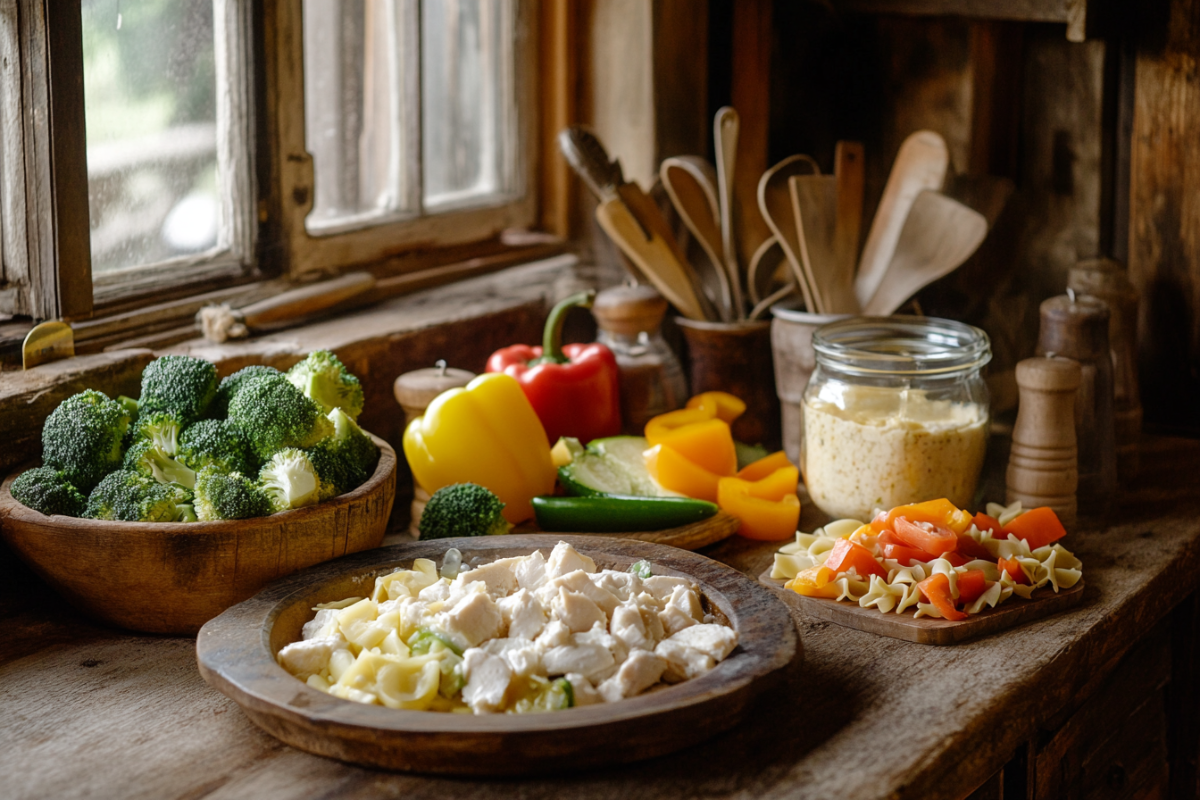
928, 630
715, 529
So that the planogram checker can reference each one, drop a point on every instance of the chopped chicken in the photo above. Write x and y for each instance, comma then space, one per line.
531, 572
434, 593
576, 611
474, 619
523, 614
554, 634
638, 673
681, 611
715, 641
309, 657
622, 584
321, 625
683, 662
588, 660
497, 576
581, 687
564, 559
522, 656
488, 677
599, 635
661, 586
579, 581
627, 626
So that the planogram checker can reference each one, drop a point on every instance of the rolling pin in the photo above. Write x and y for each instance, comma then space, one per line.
1043, 465
414, 392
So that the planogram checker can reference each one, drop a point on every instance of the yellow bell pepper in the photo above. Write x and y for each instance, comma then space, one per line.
721, 405
939, 512
814, 582
485, 433
699, 435
767, 509
757, 470
679, 474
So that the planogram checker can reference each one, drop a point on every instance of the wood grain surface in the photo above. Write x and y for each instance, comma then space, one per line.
93, 712
236, 654
173, 577
929, 630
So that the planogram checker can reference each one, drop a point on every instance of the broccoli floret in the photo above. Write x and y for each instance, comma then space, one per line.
463, 509
325, 379
82, 438
131, 406
221, 495
158, 427
151, 461
216, 442
348, 457
291, 481
232, 383
275, 415
180, 385
129, 497
47, 490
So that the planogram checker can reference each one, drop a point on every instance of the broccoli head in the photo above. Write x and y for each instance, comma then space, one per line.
274, 415
82, 438
151, 461
348, 457
291, 481
463, 509
179, 385
47, 490
158, 427
129, 497
228, 495
131, 406
230, 385
325, 379
215, 442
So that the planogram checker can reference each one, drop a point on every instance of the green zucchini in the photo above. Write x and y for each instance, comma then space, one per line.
618, 514
611, 466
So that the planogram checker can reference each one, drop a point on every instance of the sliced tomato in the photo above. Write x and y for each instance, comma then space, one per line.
936, 589
846, 554
1038, 527
971, 586
971, 548
1013, 568
904, 554
927, 536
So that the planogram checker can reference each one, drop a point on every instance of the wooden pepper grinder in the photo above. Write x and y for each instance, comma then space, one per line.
1043, 465
414, 392
1076, 326
1106, 279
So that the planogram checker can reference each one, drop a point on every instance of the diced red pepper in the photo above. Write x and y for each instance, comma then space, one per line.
1038, 527
888, 537
955, 559
1013, 568
936, 589
971, 585
971, 548
988, 523
847, 554
904, 554
927, 536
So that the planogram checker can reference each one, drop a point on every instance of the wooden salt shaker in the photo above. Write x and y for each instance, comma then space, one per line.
414, 392
1106, 279
1042, 468
1076, 326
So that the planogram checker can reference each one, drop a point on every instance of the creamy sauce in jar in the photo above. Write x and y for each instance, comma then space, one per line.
868, 447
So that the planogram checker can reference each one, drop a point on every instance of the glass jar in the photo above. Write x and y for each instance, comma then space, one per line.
895, 412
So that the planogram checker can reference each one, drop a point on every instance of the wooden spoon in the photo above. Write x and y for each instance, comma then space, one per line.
814, 204
938, 236
693, 197
775, 203
725, 135
921, 164
764, 264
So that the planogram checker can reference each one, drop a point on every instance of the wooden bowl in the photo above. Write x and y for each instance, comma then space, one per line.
236, 655
173, 577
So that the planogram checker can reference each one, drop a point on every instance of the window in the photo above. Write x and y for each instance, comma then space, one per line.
228, 140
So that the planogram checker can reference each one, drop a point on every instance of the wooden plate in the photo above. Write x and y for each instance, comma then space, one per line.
715, 529
928, 630
174, 577
236, 651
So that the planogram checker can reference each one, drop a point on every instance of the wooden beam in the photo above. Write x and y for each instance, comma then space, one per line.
559, 89
751, 96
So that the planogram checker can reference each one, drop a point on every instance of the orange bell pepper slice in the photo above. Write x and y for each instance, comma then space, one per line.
724, 405
971, 549
1013, 568
987, 523
760, 469
936, 589
971, 585
904, 554
672, 471
939, 512
767, 510
846, 554
927, 536
1038, 527
814, 582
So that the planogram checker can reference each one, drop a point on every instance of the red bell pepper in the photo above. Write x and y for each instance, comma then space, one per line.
988, 523
936, 589
1013, 568
904, 554
971, 586
573, 388
927, 536
1038, 527
970, 548
847, 554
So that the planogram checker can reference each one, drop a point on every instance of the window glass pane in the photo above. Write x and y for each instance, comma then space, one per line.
355, 87
150, 96
466, 90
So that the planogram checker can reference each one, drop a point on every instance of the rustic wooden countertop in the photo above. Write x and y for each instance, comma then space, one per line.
92, 712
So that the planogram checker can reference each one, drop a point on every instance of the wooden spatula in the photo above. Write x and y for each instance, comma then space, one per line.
814, 204
775, 203
849, 165
726, 126
921, 164
938, 236
695, 199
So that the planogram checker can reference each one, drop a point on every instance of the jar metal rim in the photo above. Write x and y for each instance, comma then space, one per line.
896, 345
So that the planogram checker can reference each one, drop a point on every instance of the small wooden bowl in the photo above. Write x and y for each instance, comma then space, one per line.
236, 655
173, 577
